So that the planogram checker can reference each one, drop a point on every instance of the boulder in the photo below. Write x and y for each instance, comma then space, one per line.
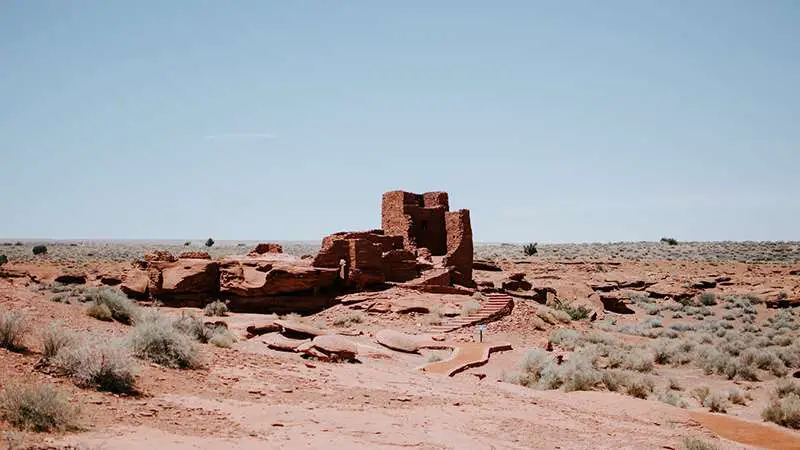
574, 294
276, 341
615, 303
184, 276
296, 328
517, 276
705, 284
134, 283
396, 340
260, 328
269, 247
110, 280
410, 306
194, 255
334, 348
254, 277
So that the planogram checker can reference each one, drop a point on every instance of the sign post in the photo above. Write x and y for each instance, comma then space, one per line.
480, 332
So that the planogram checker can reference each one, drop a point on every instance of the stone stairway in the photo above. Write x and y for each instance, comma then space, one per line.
497, 306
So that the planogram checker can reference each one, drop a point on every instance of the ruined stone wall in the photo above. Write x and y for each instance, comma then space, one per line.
459, 246
419, 219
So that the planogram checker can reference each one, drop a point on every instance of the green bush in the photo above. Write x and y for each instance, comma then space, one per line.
37, 407
579, 312
39, 250
209, 242
669, 241
3, 259
530, 249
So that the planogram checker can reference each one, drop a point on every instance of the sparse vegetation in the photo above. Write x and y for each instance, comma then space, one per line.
156, 339
54, 339
348, 319
579, 312
37, 407
3, 259
716, 402
530, 249
216, 308
209, 242
13, 327
105, 366
694, 443
122, 309
707, 299
39, 250
669, 241
99, 311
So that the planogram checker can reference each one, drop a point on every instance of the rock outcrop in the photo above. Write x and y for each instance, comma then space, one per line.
254, 277
269, 247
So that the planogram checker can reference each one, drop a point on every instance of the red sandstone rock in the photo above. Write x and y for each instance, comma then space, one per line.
291, 327
263, 328
517, 285
335, 347
254, 277
396, 340
666, 289
160, 255
269, 247
194, 255
134, 283
184, 276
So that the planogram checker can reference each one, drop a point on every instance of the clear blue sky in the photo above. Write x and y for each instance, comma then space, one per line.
551, 121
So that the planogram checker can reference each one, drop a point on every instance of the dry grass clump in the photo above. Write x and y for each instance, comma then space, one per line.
37, 407
737, 397
784, 407
122, 309
54, 339
694, 443
157, 340
13, 327
98, 365
717, 402
707, 299
216, 309
348, 319
100, 311
674, 399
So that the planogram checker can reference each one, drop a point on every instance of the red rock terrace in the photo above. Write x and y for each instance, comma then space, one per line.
422, 246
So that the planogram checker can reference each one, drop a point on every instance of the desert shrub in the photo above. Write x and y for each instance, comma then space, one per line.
579, 312
614, 380
194, 327
677, 315
39, 250
187, 243
652, 310
663, 351
674, 399
470, 307
737, 397
787, 387
577, 374
348, 319
222, 338
209, 242
707, 299
672, 305
717, 402
753, 299
683, 327
532, 366
54, 339
530, 249
675, 384
3, 259
653, 323
784, 411
669, 241
216, 308
782, 340
701, 393
639, 386
639, 361
705, 312
693, 443
99, 311
13, 327
98, 365
122, 309
730, 315
157, 340
37, 407
432, 319
569, 339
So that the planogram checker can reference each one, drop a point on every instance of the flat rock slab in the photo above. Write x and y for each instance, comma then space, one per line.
260, 328
336, 344
299, 328
465, 356
276, 341
398, 341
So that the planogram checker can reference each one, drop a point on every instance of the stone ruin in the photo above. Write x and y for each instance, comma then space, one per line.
422, 245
